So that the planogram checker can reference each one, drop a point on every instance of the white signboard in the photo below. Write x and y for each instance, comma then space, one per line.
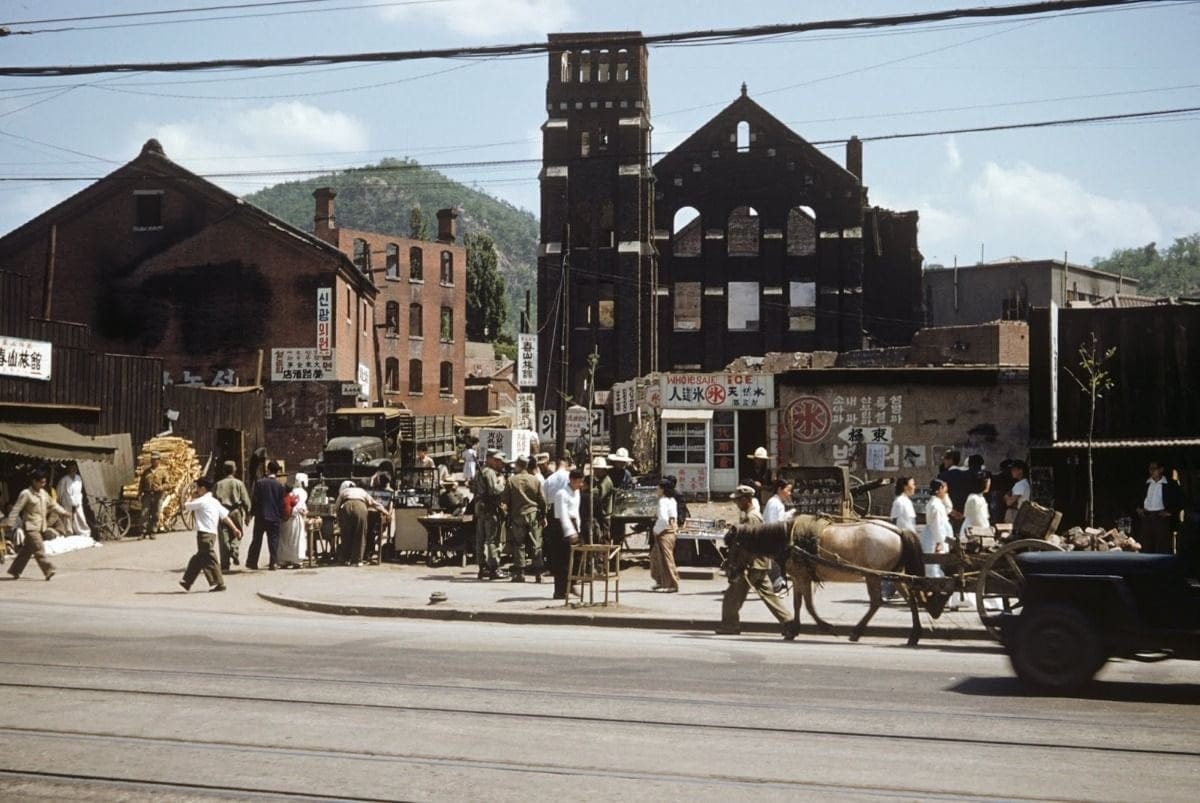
300, 365
624, 398
513, 442
526, 411
866, 435
577, 421
717, 391
527, 359
324, 321
351, 389
364, 380
28, 359
547, 425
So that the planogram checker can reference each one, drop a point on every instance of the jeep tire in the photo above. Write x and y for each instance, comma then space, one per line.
1056, 648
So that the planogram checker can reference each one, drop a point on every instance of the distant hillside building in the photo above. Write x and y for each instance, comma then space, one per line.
744, 239
1006, 289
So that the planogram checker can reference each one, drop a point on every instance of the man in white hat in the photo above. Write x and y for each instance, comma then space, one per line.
602, 493
746, 571
621, 476
759, 477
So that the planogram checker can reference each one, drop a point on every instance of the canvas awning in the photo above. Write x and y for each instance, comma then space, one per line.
52, 442
488, 421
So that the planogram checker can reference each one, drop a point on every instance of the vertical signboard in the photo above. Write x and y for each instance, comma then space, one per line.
526, 411
527, 358
324, 321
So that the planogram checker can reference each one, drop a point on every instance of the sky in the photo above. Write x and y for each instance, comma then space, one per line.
1079, 190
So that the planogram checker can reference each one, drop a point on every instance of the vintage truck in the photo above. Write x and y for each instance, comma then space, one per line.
1078, 609
364, 440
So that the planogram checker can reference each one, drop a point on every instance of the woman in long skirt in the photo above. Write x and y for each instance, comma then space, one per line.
293, 533
937, 532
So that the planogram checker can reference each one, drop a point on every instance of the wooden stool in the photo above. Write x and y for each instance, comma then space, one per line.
584, 571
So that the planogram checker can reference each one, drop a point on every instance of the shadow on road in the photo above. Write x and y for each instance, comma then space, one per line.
1120, 691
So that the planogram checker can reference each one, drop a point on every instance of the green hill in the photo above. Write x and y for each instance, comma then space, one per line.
381, 198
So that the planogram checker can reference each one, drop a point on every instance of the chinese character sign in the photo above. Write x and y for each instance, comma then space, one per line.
718, 391
526, 411
624, 398
300, 365
28, 359
324, 321
527, 356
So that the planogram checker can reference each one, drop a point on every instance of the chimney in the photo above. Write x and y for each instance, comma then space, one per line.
854, 157
446, 225
324, 217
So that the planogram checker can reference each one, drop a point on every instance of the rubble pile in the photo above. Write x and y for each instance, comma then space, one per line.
1097, 540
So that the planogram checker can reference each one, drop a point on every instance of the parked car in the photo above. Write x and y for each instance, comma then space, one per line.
1081, 608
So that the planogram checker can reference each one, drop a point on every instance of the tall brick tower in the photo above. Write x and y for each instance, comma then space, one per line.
596, 264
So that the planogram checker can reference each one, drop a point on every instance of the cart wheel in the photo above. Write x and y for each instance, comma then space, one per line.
121, 519
861, 502
1001, 582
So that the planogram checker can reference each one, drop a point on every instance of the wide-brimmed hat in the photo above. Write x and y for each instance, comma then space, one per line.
620, 456
599, 462
542, 458
760, 454
743, 491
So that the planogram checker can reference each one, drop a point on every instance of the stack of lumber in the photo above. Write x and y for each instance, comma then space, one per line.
178, 458
1099, 540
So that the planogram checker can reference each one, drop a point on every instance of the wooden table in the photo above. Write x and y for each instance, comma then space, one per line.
447, 535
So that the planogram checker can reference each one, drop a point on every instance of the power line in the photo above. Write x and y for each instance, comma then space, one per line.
714, 35
164, 12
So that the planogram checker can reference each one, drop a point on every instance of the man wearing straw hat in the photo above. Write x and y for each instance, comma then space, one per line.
621, 475
602, 493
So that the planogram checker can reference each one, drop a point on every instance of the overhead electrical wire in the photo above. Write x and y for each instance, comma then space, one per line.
715, 35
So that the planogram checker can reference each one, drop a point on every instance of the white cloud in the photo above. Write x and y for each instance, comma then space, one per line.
488, 17
953, 157
253, 139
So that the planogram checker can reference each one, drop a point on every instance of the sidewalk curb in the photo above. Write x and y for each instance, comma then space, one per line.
577, 617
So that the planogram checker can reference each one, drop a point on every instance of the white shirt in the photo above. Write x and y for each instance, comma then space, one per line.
937, 526
469, 460
554, 483
1022, 491
774, 510
903, 513
70, 491
975, 512
668, 509
566, 508
208, 512
1154, 500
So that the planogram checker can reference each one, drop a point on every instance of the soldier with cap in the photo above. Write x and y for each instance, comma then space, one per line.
526, 512
453, 500
232, 493
490, 509
154, 483
746, 571
30, 511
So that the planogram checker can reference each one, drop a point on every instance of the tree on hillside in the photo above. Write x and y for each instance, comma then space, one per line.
417, 230
1171, 271
487, 307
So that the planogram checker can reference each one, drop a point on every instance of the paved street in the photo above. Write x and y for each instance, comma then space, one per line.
115, 698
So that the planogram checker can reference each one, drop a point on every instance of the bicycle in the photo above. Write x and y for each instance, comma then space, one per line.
112, 519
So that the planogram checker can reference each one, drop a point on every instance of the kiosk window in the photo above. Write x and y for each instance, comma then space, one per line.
686, 443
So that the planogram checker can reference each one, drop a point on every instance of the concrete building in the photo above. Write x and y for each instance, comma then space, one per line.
1008, 288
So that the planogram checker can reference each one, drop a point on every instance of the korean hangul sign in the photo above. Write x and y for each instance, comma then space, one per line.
28, 359
324, 321
526, 411
300, 365
527, 358
577, 422
624, 398
513, 442
718, 391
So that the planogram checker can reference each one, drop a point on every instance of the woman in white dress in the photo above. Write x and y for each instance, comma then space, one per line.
903, 514
70, 496
937, 530
976, 519
293, 533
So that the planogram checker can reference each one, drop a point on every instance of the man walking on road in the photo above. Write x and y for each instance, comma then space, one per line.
154, 483
526, 512
266, 504
210, 515
30, 511
748, 571
231, 492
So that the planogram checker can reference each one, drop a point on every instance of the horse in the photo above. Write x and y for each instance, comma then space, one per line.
816, 550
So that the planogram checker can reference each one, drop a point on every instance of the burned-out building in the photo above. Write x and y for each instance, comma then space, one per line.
744, 239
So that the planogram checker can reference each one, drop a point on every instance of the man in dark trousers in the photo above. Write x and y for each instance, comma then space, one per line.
1159, 512
266, 504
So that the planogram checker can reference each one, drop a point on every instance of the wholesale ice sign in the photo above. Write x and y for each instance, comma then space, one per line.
717, 391
28, 359
324, 321
527, 367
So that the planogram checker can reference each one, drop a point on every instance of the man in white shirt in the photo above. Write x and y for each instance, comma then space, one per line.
1159, 511
558, 480
564, 530
210, 515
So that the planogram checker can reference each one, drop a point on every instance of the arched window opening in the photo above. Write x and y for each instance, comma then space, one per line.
801, 231
743, 136
622, 65
391, 375
391, 319
447, 276
742, 232
446, 379
565, 67
416, 268
416, 382
603, 67
362, 255
585, 66
687, 234
393, 261
414, 321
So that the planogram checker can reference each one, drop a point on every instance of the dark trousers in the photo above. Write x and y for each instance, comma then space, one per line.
558, 552
205, 560
1155, 534
353, 521
271, 529
31, 547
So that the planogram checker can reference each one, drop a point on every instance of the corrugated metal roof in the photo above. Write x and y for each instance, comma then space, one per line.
1159, 443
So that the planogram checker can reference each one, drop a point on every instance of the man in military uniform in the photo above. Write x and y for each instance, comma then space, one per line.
602, 501
233, 495
490, 509
526, 511
154, 483
30, 511
746, 570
